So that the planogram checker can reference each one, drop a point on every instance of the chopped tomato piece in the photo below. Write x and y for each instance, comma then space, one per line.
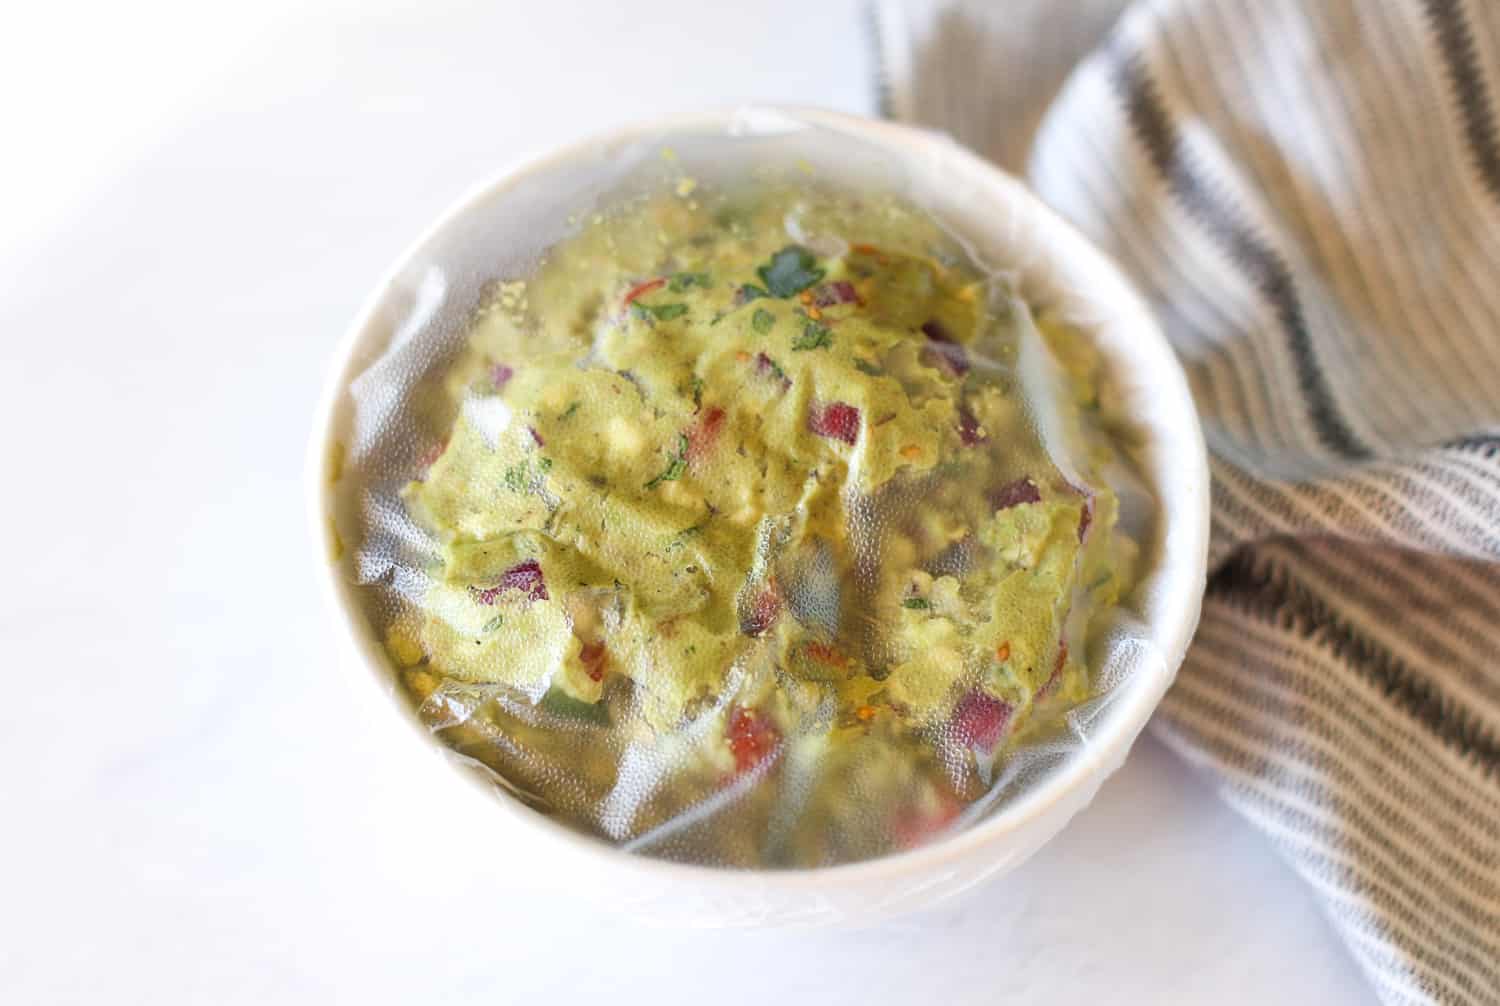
703, 434
593, 657
752, 737
914, 824
837, 421
979, 721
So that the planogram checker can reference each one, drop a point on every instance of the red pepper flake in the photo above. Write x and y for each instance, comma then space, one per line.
839, 292
641, 289
825, 654
836, 420
944, 350
970, 433
979, 721
536, 436
500, 375
525, 577
703, 433
763, 611
1022, 490
752, 737
593, 656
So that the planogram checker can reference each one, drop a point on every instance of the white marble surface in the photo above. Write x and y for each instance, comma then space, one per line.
196, 808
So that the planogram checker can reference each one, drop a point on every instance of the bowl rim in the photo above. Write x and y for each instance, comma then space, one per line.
1185, 537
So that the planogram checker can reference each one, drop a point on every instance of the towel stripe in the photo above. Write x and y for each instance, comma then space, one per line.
1371, 869
1158, 135
1456, 40
1257, 585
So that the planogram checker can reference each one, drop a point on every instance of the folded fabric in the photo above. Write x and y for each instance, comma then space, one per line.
1308, 191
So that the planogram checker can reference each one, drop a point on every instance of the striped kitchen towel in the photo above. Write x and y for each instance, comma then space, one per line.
1308, 191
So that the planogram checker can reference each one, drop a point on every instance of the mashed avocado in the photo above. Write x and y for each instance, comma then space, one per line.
756, 484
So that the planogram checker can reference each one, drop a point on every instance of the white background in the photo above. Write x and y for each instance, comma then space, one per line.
194, 202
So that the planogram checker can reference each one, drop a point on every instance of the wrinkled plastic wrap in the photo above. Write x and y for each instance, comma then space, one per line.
724, 497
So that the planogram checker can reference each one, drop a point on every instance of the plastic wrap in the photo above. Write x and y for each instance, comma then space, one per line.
729, 496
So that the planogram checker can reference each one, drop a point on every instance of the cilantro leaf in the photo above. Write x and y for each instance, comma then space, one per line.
687, 280
916, 603
661, 312
748, 292
675, 467
814, 336
518, 476
762, 321
790, 271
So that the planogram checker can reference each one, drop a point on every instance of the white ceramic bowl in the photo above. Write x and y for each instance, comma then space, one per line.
1060, 266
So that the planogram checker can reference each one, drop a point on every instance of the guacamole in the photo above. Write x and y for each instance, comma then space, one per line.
763, 523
